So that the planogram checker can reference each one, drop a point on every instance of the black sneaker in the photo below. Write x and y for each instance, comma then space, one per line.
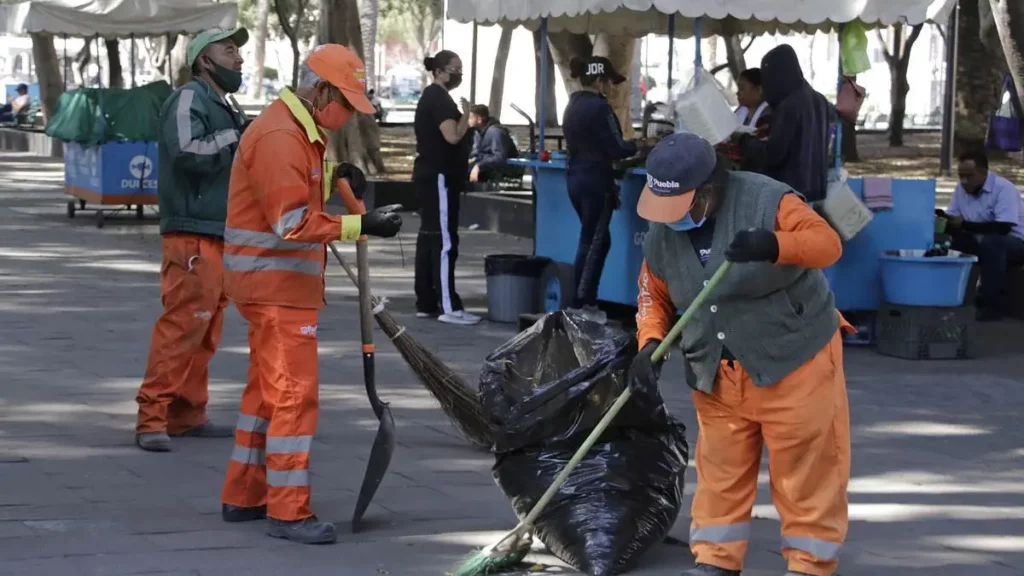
709, 570
306, 531
238, 514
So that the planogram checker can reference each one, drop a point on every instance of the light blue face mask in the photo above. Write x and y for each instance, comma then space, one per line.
687, 223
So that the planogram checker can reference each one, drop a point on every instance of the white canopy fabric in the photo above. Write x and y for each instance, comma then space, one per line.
116, 18
642, 17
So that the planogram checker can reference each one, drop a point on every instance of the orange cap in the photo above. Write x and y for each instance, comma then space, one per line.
345, 71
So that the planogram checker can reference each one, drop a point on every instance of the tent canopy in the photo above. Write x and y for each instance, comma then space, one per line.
116, 18
642, 17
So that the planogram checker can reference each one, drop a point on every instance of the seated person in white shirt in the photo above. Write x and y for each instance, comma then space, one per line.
986, 219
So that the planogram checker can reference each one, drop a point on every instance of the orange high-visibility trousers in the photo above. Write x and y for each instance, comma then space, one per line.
270, 461
805, 422
174, 393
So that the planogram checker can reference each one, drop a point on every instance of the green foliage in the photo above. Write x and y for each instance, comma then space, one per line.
270, 73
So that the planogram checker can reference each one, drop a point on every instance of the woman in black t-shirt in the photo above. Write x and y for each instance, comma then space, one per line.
439, 173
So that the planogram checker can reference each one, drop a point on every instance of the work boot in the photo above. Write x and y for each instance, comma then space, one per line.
153, 441
709, 570
233, 514
207, 430
306, 531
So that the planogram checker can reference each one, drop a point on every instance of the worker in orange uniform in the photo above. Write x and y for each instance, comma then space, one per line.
763, 354
199, 135
274, 257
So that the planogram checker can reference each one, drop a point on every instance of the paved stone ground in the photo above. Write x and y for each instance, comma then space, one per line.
938, 462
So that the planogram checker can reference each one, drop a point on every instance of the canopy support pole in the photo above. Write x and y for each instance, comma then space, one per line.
671, 51
472, 71
65, 61
541, 108
131, 53
99, 64
698, 60
839, 86
949, 96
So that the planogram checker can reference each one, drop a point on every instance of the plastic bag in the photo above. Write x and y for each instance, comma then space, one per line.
853, 49
545, 390
704, 109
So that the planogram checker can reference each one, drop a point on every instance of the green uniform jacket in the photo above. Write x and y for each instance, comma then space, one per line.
199, 134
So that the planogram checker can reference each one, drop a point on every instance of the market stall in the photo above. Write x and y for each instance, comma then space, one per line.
908, 224
110, 156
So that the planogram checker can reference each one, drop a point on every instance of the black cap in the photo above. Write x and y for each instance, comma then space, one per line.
601, 67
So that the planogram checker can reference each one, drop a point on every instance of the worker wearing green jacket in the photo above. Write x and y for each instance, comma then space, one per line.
198, 139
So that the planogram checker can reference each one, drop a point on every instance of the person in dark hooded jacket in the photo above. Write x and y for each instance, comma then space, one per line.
796, 150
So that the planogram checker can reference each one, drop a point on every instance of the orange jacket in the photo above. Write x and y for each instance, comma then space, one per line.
277, 229
805, 240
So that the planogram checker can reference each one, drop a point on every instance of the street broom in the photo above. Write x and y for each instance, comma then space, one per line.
509, 551
458, 401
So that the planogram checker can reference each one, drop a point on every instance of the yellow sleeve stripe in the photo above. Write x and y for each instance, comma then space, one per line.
351, 227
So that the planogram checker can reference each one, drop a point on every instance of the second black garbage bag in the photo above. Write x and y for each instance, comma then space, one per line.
545, 390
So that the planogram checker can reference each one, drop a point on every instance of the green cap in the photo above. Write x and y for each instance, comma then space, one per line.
207, 37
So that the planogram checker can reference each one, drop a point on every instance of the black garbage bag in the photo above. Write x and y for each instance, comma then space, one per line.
545, 390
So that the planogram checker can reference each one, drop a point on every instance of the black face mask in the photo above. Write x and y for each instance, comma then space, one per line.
228, 80
454, 80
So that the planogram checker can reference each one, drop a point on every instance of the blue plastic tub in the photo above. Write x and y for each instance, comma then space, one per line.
909, 278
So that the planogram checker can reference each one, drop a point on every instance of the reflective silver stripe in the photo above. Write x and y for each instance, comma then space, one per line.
289, 220
282, 478
247, 455
240, 237
817, 548
237, 263
720, 533
288, 444
251, 424
183, 118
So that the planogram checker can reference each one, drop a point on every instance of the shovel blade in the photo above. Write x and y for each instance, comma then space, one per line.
377, 467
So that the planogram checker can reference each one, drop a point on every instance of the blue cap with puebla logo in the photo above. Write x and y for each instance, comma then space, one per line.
676, 167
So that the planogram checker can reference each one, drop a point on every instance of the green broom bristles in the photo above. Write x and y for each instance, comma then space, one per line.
497, 558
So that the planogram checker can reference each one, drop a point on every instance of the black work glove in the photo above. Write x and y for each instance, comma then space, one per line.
756, 245
356, 178
381, 224
644, 372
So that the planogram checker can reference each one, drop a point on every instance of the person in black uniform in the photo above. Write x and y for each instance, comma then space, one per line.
593, 141
443, 144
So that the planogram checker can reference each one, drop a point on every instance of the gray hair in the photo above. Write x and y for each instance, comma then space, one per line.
308, 78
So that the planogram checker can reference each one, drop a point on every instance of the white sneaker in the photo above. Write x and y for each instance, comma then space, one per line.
460, 317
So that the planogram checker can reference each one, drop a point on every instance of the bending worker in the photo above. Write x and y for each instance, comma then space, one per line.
275, 240
763, 356
593, 141
198, 138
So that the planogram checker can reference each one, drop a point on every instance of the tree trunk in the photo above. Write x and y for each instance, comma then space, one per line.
115, 74
260, 45
498, 77
548, 97
82, 60
1009, 21
178, 72
849, 143
620, 50
979, 74
370, 11
898, 60
358, 143
565, 45
48, 72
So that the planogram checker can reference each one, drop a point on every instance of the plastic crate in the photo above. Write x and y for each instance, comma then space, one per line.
925, 332
912, 279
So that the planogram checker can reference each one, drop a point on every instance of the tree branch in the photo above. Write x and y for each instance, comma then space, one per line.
282, 19
718, 68
743, 49
940, 29
909, 43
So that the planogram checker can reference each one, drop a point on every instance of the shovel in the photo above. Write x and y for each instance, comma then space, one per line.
384, 443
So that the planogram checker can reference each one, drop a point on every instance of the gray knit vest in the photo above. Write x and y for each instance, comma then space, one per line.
772, 318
